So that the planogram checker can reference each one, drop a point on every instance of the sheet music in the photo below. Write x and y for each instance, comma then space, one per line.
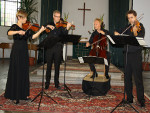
141, 41
105, 61
81, 59
111, 39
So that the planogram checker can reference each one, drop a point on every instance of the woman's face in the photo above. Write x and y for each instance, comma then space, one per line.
22, 19
97, 25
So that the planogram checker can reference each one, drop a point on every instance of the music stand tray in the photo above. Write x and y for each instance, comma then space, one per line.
126, 40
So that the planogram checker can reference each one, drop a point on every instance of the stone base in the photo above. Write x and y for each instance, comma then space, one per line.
99, 87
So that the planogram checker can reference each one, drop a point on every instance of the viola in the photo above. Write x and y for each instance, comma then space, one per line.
98, 46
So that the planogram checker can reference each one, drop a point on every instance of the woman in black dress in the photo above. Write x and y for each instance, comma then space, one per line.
17, 86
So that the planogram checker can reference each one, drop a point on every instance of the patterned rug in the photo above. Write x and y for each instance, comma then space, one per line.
79, 103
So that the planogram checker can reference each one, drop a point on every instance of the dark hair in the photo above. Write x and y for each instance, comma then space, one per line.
131, 12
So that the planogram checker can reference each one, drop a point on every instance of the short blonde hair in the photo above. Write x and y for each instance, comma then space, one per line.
99, 20
21, 13
56, 11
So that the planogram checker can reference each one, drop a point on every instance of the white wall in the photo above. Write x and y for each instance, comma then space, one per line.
142, 7
98, 8
8, 39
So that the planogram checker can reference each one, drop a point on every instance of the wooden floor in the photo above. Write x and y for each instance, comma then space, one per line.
4, 70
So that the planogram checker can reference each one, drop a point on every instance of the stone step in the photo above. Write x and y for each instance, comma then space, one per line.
76, 77
75, 81
81, 74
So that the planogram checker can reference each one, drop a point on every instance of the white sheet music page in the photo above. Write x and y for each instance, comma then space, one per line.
110, 39
81, 59
105, 61
141, 41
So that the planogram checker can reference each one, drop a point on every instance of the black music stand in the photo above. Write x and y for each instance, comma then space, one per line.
93, 60
42, 92
49, 42
125, 40
65, 39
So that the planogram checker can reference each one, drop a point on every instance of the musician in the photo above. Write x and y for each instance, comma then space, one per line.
99, 31
133, 59
54, 54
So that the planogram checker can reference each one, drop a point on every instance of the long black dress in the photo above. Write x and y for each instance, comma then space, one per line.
17, 86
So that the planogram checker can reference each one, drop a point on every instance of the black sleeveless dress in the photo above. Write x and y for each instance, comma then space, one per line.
17, 86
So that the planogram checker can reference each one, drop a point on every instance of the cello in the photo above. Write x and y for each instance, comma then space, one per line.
99, 46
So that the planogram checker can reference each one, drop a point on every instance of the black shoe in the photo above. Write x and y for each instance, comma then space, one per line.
142, 103
46, 86
27, 98
17, 102
58, 87
93, 76
130, 100
107, 76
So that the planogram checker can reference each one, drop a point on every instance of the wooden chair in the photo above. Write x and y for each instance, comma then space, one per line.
5, 46
34, 48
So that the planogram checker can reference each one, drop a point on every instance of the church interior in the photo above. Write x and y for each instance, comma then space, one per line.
79, 89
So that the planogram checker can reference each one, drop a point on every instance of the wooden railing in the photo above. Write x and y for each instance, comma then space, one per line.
9, 46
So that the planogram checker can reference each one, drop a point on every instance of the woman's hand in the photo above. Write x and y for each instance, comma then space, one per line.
87, 44
38, 33
42, 29
116, 33
21, 32
100, 31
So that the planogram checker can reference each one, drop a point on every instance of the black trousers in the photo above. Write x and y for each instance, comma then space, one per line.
53, 54
93, 69
133, 66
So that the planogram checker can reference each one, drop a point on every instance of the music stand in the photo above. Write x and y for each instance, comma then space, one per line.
42, 89
125, 40
93, 60
65, 39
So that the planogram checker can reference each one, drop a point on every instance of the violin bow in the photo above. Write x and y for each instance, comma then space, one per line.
28, 27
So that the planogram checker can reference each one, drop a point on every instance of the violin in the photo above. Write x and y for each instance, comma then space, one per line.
28, 25
64, 24
34, 27
136, 24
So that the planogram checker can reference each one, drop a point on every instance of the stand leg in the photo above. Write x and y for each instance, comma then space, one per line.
123, 102
42, 90
36, 96
65, 86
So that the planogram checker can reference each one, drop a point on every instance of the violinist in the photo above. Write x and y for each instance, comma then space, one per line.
100, 33
17, 86
133, 59
54, 54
